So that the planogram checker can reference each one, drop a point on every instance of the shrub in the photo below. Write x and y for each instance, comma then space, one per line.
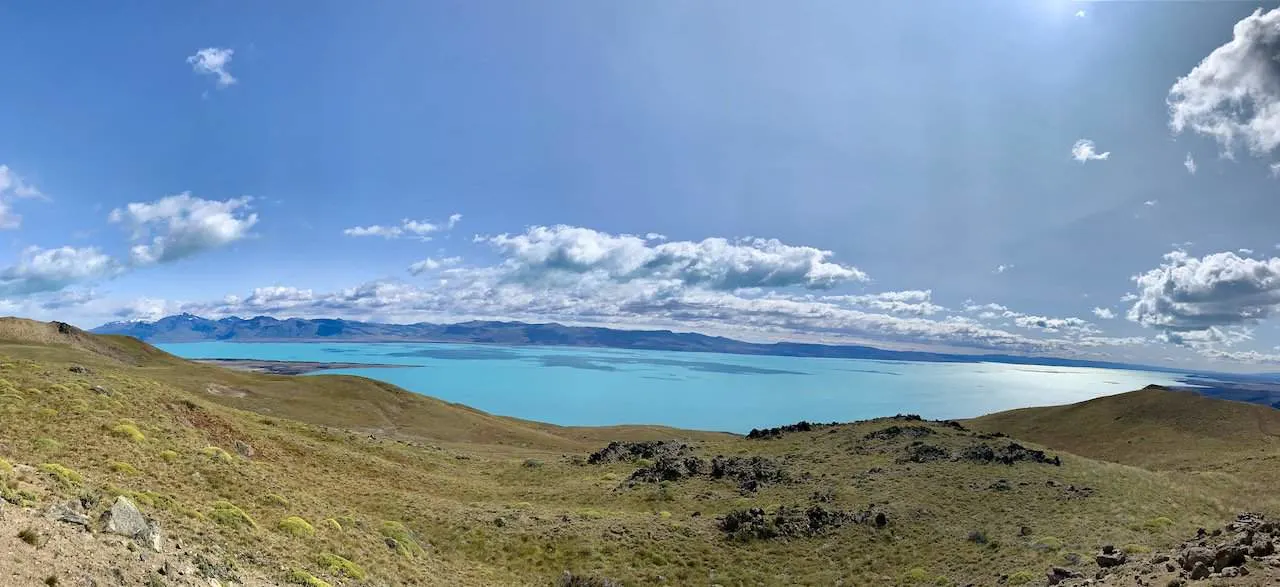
301, 577
169, 455
125, 468
5, 467
228, 514
532, 463
48, 445
47, 412
1047, 544
1021, 578
217, 454
32, 537
275, 500
916, 575
340, 566
331, 524
406, 543
62, 474
1157, 524
297, 527
128, 431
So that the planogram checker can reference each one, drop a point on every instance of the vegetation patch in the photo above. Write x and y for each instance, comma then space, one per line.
128, 430
48, 445
297, 527
275, 500
32, 537
405, 542
5, 467
331, 524
229, 514
218, 454
169, 455
301, 577
61, 474
340, 566
124, 468
1021, 578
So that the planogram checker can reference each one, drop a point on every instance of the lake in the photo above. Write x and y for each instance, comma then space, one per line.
708, 391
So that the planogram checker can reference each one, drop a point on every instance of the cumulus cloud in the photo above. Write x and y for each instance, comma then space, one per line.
213, 61
183, 225
432, 264
13, 186
47, 270
418, 229
1233, 95
1151, 202
1104, 313
910, 302
553, 252
1198, 300
1084, 150
1003, 268
1190, 164
1251, 357
1074, 325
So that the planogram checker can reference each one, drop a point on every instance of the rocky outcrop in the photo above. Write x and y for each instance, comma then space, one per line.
1006, 454
749, 472
777, 432
618, 452
793, 522
894, 432
1110, 557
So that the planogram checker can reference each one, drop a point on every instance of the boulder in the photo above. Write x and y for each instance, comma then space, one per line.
1229, 572
152, 537
1196, 555
1110, 557
1230, 555
70, 512
1058, 574
1262, 546
100, 390
245, 449
124, 519
1199, 571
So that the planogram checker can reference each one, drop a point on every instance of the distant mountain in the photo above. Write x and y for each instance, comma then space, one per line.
191, 328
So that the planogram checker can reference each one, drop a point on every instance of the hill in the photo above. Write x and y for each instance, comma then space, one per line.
333, 480
190, 328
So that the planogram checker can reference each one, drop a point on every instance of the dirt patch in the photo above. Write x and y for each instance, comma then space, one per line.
221, 390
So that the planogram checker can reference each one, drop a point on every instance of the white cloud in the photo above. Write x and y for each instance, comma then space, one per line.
1196, 299
910, 302
1244, 251
1151, 202
1073, 325
431, 264
1190, 164
1080, 14
213, 61
1003, 268
1233, 95
182, 225
562, 252
417, 229
1084, 150
1104, 313
47, 270
1252, 357
13, 186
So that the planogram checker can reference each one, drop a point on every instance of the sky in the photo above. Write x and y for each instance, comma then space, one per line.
1079, 179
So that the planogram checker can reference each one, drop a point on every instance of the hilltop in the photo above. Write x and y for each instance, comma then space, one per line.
265, 479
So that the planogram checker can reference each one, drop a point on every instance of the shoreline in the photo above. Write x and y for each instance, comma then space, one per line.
288, 367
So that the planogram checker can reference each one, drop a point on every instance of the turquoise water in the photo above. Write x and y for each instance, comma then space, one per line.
708, 391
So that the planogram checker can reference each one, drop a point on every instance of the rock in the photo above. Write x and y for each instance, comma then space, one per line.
70, 512
1262, 546
1110, 557
245, 449
392, 543
1058, 574
1199, 571
100, 390
124, 519
1159, 558
1024, 531
633, 451
1196, 555
1170, 567
1231, 555
79, 369
152, 537
1229, 572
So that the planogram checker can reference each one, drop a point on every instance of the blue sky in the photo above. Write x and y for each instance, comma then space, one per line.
882, 172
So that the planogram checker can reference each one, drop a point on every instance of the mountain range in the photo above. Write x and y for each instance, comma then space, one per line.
192, 328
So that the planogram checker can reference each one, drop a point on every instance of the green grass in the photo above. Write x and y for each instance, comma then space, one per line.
169, 455
301, 577
217, 454
124, 468
228, 514
340, 566
297, 527
64, 475
129, 431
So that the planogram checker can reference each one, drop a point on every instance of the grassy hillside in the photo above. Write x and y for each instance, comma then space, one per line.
275, 479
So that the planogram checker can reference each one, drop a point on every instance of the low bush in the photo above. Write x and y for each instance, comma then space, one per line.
297, 527
340, 566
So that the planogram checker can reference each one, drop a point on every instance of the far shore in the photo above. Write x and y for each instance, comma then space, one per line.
288, 367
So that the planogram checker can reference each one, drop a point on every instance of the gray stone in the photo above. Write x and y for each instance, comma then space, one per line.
124, 519
152, 537
70, 512
1190, 557
1199, 571
245, 449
